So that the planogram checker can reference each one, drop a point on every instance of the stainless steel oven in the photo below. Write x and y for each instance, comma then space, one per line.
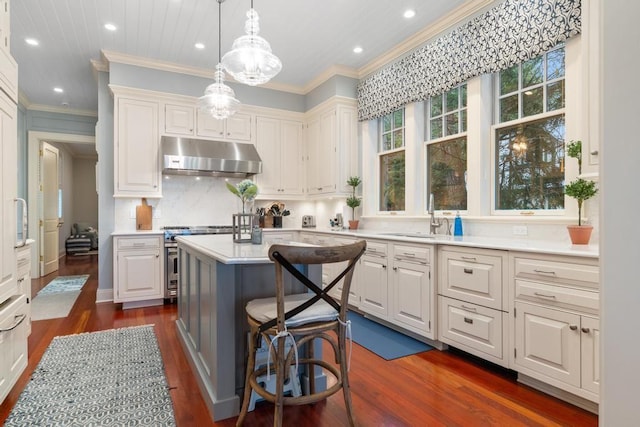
171, 252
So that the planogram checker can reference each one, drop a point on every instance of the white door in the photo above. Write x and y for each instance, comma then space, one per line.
49, 231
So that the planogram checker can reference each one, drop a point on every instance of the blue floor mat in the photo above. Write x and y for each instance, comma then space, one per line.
383, 341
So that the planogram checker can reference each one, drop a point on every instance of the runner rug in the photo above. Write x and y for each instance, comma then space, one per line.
383, 341
107, 378
57, 298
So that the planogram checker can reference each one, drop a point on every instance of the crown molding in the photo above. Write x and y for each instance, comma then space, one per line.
24, 101
448, 22
334, 70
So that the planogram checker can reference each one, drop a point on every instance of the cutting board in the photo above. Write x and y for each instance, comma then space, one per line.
143, 216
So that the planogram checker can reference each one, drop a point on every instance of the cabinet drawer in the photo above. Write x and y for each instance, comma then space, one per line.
411, 253
557, 295
138, 242
23, 261
376, 248
472, 277
554, 271
471, 325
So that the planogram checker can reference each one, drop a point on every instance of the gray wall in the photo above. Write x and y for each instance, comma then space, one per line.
85, 198
335, 86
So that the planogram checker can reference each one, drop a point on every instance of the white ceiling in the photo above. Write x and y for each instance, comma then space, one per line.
309, 36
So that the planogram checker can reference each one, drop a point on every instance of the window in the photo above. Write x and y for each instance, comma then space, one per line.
529, 141
392, 162
447, 149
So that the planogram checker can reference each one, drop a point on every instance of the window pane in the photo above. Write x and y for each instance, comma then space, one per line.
509, 108
532, 72
529, 165
398, 119
463, 120
392, 181
532, 102
555, 64
436, 106
452, 99
509, 80
555, 95
436, 128
446, 174
463, 95
452, 123
386, 123
386, 142
398, 138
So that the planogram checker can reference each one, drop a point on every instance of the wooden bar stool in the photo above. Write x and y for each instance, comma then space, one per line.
301, 318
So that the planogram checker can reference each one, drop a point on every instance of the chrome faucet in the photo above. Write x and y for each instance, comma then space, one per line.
434, 224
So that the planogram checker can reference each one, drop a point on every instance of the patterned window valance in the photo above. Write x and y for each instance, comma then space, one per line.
508, 34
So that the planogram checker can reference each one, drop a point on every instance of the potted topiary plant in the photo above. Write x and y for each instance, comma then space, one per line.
581, 190
352, 201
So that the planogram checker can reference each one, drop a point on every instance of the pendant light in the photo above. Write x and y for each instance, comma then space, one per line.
250, 60
219, 100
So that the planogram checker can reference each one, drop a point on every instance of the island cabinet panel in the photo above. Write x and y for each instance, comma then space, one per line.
212, 322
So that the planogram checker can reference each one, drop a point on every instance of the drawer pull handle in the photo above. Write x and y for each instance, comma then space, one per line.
409, 254
469, 258
553, 273
468, 320
395, 268
538, 294
573, 327
586, 330
468, 270
16, 322
464, 307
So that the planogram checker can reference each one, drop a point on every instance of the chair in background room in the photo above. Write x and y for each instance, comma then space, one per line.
299, 319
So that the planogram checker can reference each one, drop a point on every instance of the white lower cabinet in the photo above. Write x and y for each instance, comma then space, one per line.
412, 299
14, 319
556, 326
337, 268
473, 328
372, 274
138, 266
472, 301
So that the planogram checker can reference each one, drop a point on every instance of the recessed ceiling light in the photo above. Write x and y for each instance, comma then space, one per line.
409, 13
58, 89
357, 49
199, 45
32, 42
110, 27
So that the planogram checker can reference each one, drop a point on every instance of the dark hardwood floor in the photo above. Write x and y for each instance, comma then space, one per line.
428, 389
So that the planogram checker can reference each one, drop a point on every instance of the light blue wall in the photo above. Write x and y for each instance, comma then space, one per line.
183, 84
22, 152
335, 86
106, 204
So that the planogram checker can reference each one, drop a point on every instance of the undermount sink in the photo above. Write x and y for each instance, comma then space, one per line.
417, 234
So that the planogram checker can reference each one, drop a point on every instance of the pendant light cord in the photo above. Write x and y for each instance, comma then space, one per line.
220, 30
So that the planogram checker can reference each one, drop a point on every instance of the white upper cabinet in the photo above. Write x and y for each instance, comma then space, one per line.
137, 149
8, 66
235, 128
8, 190
279, 144
179, 119
331, 136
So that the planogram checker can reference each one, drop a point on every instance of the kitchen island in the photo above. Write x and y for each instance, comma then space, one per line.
217, 278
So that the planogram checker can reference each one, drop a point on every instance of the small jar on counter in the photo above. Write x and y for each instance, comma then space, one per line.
256, 235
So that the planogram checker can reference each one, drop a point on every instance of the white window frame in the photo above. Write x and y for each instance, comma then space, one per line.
380, 152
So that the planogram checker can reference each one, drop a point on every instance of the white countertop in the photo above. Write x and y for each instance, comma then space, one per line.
138, 233
525, 245
222, 247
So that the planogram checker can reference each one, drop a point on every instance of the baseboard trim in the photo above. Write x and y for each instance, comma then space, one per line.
104, 295
578, 401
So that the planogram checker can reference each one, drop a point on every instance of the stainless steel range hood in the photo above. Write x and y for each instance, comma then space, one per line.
185, 156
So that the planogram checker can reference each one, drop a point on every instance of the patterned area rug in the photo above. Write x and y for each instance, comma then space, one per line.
57, 298
107, 378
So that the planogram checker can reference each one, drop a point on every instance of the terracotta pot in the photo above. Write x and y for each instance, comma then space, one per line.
580, 234
353, 224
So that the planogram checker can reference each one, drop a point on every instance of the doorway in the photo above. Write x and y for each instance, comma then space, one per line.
36, 202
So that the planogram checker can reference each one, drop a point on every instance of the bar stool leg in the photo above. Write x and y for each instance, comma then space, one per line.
280, 375
251, 366
346, 388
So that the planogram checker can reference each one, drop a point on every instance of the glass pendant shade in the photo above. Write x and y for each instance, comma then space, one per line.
250, 60
219, 100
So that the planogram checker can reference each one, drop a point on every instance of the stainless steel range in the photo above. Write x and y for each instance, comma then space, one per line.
171, 251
